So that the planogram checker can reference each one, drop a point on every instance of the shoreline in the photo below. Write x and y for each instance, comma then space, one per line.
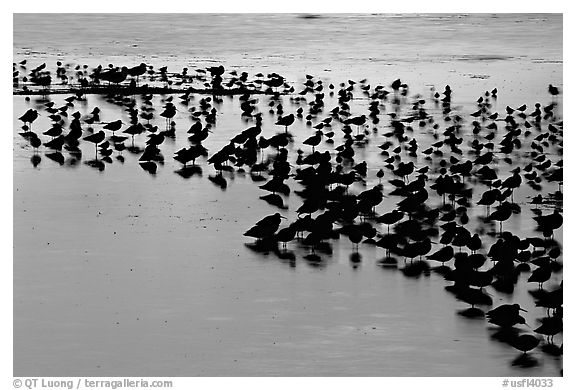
143, 90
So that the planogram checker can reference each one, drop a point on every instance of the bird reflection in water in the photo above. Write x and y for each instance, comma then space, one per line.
416, 269
96, 163
56, 156
219, 181
314, 260
388, 262
263, 246
355, 259
188, 171
149, 166
525, 361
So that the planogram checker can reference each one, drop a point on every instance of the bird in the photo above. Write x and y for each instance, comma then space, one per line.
184, 155
35, 142
115, 75
56, 143
266, 227
356, 120
354, 233
484, 159
285, 121
525, 342
502, 213
314, 140
506, 315
54, 131
552, 90
95, 138
29, 117
380, 175
113, 126
216, 70
489, 197
390, 218
286, 234
137, 71
135, 129
513, 181
195, 128
404, 169
551, 299
442, 255
550, 326
541, 275
474, 243
274, 82
538, 199
550, 222
168, 113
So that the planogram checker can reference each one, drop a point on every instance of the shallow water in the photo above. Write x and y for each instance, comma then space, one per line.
124, 273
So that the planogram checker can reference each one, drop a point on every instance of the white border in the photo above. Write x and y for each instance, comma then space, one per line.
307, 6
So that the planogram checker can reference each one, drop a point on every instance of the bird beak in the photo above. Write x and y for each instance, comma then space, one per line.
283, 217
523, 310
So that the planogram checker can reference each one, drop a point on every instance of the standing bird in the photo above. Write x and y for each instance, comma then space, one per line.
488, 198
502, 213
552, 90
443, 254
29, 117
525, 342
314, 140
474, 243
286, 235
357, 120
266, 227
541, 275
96, 138
54, 131
137, 71
506, 316
550, 327
286, 121
549, 223
380, 175
35, 142
513, 181
390, 218
168, 113
113, 126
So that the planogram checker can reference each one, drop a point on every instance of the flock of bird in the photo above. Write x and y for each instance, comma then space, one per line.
438, 163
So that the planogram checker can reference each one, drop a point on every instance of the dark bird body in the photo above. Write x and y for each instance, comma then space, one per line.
266, 227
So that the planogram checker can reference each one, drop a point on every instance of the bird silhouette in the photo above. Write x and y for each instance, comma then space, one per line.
266, 227
96, 138
286, 121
